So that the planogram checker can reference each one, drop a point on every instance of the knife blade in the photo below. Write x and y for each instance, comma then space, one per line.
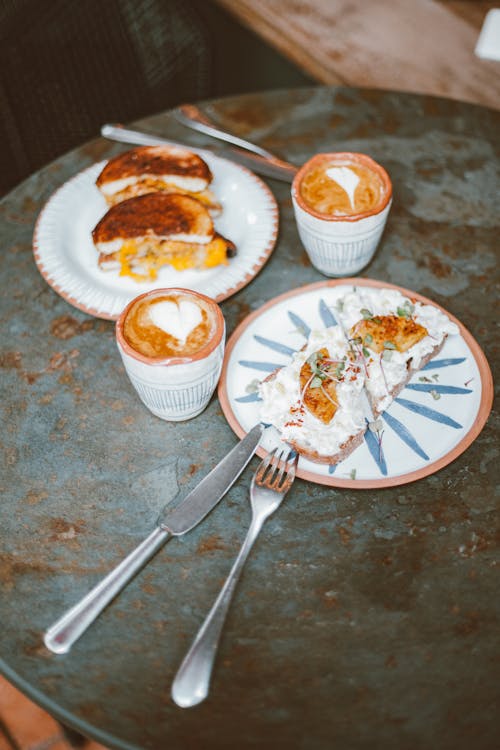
191, 511
200, 501
254, 162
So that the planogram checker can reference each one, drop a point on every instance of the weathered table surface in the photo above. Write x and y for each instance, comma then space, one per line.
364, 618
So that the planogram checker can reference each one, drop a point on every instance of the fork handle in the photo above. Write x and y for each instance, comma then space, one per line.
192, 681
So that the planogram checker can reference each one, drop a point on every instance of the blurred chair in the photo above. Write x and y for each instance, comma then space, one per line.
67, 66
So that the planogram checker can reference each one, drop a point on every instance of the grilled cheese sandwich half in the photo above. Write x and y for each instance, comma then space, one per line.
140, 235
150, 169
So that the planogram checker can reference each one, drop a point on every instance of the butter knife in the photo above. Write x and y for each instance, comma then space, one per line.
274, 168
191, 511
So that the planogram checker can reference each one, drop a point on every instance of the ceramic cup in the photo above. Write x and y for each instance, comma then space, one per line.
171, 342
341, 202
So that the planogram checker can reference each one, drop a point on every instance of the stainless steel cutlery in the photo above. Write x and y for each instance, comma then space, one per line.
191, 511
269, 485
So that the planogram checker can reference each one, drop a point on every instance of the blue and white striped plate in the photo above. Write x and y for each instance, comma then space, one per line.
433, 420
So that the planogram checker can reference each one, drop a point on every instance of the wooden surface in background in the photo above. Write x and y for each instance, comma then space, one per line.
422, 46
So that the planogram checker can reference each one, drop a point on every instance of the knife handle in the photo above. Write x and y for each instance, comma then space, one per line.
62, 634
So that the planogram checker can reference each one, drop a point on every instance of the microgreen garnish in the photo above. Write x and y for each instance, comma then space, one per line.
406, 310
330, 399
320, 370
253, 386
353, 474
368, 338
387, 355
314, 362
425, 380
389, 345
435, 377
435, 395
366, 352
340, 305
339, 369
367, 314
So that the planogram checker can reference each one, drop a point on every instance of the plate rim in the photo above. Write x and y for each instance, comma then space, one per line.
261, 260
485, 404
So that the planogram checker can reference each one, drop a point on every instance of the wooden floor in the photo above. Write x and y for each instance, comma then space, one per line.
25, 726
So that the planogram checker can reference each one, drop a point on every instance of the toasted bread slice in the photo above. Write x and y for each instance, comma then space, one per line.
323, 421
149, 169
380, 404
142, 234
394, 336
165, 217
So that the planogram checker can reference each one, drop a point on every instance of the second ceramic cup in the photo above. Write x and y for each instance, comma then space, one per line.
171, 342
341, 202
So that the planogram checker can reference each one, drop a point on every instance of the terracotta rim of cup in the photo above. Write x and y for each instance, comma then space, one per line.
209, 347
353, 157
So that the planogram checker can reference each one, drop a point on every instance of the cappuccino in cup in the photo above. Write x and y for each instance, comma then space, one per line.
341, 202
169, 324
172, 345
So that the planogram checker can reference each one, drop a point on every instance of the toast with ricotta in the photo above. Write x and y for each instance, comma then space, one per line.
140, 235
393, 337
315, 401
152, 169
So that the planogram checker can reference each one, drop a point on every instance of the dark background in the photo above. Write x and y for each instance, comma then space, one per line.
68, 66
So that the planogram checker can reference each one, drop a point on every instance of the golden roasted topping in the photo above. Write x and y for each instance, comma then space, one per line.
388, 332
317, 385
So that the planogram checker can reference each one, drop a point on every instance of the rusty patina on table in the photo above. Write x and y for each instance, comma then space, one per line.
364, 619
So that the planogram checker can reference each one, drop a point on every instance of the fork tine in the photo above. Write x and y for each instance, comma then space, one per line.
271, 464
261, 469
289, 471
277, 469
282, 465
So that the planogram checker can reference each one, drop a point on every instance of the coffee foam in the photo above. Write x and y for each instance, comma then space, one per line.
178, 318
346, 178
342, 188
169, 325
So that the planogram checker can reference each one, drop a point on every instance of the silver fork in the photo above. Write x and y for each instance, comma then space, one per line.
270, 483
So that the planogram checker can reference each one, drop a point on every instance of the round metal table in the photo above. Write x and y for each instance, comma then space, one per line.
363, 618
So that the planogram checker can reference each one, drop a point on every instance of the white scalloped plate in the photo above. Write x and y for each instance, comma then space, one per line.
67, 258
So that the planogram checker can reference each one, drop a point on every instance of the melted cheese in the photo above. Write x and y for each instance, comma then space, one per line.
180, 255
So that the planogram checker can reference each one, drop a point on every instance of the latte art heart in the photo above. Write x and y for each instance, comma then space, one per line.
176, 319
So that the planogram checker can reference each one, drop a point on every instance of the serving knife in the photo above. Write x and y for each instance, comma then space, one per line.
269, 167
189, 513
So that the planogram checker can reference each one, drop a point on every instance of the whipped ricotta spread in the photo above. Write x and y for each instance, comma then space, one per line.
282, 403
383, 373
